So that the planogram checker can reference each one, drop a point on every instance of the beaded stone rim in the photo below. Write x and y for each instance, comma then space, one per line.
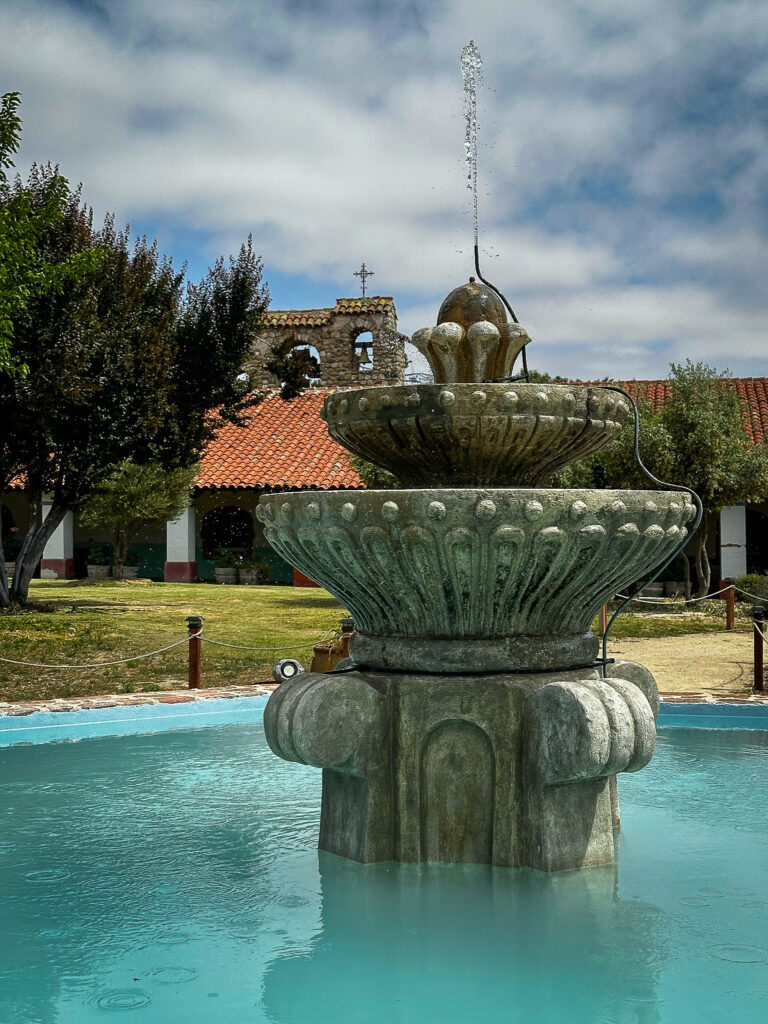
470, 435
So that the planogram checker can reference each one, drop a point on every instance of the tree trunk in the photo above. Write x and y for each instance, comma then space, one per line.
5, 597
703, 571
687, 564
121, 553
38, 535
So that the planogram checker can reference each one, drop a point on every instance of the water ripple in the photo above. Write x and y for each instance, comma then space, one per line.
121, 999
172, 975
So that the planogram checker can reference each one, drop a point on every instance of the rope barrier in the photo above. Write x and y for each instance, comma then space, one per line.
762, 634
693, 600
240, 647
665, 600
105, 664
162, 650
754, 597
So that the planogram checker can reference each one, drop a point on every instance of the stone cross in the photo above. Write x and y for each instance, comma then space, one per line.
363, 273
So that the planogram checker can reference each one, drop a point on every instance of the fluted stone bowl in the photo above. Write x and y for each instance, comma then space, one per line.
475, 435
475, 580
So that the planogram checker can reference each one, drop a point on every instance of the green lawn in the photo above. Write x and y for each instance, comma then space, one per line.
82, 621
76, 622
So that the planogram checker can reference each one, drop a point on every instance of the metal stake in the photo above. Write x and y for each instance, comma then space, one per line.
758, 620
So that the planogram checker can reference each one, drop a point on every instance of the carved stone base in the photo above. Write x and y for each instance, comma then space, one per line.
512, 770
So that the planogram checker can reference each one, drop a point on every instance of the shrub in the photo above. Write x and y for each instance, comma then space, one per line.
754, 584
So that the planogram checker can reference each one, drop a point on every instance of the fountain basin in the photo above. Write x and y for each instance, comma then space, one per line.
475, 435
475, 579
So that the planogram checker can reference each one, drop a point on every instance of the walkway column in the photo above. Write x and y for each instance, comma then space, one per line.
58, 561
181, 566
733, 542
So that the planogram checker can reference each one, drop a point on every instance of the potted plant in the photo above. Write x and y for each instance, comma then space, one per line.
98, 562
131, 565
254, 571
226, 568
679, 584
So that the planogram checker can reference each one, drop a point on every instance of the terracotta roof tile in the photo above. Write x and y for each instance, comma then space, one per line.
753, 392
285, 445
320, 317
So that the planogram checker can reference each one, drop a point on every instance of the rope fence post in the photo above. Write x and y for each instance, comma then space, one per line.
758, 624
195, 626
730, 607
603, 620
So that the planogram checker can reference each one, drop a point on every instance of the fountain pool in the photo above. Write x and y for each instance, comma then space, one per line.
173, 876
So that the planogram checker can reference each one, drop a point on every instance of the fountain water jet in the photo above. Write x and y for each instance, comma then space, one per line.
474, 722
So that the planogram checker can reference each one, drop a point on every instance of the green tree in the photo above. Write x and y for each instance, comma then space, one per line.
294, 366
133, 496
24, 217
374, 477
697, 439
124, 363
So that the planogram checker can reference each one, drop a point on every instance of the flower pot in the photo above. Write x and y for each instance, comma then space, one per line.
653, 590
99, 572
130, 572
674, 588
10, 569
250, 577
225, 575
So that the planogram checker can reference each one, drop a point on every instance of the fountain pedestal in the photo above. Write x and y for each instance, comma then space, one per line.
512, 769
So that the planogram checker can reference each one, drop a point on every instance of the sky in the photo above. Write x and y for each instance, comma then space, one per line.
623, 155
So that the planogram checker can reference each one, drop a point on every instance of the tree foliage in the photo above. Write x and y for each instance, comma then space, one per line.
131, 497
25, 214
124, 363
374, 477
697, 438
294, 366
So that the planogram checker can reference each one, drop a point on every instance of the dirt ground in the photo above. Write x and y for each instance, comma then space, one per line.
696, 663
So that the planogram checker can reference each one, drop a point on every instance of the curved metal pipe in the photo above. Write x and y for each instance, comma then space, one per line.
661, 483
504, 300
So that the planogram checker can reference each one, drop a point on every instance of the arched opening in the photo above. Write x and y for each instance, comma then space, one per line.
309, 357
362, 352
226, 528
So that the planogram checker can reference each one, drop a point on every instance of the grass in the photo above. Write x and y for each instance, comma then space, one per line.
74, 622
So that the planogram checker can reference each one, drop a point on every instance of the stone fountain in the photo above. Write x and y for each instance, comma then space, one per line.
474, 722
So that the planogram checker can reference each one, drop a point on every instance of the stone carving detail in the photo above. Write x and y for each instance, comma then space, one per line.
488, 768
471, 563
503, 435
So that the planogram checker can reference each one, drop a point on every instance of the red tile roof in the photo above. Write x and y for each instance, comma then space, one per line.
753, 392
284, 445
319, 317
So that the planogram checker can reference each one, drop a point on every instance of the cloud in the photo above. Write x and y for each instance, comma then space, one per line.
624, 155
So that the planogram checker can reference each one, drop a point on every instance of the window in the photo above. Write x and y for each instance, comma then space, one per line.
362, 353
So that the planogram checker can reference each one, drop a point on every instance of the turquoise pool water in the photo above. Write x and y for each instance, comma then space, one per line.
172, 877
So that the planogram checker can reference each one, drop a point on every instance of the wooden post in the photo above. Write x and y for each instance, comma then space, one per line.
730, 608
195, 626
603, 620
758, 620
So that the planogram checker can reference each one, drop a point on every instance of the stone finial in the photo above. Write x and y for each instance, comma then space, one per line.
472, 341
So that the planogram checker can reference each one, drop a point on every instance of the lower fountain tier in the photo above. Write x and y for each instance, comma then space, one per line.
510, 769
472, 579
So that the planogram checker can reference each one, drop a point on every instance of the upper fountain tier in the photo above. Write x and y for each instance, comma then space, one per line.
474, 427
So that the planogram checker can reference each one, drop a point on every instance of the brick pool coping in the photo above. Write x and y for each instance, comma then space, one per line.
122, 700
117, 700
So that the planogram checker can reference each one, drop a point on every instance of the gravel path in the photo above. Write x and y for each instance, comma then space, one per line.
697, 663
